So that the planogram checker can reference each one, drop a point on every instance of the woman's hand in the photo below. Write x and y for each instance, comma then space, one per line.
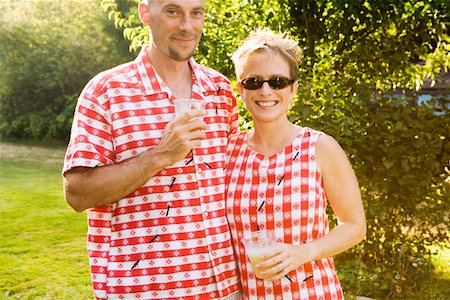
282, 258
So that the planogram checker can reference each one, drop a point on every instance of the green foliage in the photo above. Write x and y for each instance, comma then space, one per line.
48, 52
400, 154
229, 22
124, 15
376, 44
400, 151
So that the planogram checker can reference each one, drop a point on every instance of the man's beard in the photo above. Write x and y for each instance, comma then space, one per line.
176, 55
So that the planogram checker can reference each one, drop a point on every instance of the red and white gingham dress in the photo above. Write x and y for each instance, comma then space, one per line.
282, 193
169, 239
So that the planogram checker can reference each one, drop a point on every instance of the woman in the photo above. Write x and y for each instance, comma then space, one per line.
280, 177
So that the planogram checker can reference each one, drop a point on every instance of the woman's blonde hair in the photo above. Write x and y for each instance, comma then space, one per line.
266, 39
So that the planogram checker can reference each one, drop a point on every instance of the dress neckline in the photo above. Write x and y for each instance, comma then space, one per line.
270, 157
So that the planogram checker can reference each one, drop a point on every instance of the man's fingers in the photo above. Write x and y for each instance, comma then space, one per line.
195, 135
183, 134
194, 139
178, 128
189, 121
188, 115
195, 124
194, 143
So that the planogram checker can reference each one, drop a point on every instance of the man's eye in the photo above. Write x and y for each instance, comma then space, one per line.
197, 13
171, 12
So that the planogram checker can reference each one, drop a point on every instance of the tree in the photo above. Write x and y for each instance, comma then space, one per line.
358, 55
48, 52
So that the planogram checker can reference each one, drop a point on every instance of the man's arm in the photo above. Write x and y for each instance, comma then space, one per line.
91, 187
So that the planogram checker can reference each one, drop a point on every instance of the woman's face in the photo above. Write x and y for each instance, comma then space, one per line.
266, 104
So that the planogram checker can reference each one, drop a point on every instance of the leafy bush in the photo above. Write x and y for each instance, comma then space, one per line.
48, 51
400, 155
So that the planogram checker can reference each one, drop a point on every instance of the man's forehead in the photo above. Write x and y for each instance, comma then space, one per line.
181, 3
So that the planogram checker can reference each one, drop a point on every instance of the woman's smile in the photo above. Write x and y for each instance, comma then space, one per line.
266, 103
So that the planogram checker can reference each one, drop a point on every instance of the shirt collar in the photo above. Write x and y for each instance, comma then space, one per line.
202, 83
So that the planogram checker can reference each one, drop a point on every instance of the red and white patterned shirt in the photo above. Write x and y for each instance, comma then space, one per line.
283, 193
169, 239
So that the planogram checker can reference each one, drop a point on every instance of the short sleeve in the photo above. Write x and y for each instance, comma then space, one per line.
233, 114
91, 142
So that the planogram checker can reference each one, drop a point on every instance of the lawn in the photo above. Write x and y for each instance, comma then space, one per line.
43, 242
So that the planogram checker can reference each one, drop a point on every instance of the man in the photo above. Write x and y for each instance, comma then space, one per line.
154, 189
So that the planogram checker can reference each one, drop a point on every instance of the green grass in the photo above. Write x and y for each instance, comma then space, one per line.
42, 241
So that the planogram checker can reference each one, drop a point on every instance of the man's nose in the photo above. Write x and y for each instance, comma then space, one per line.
186, 22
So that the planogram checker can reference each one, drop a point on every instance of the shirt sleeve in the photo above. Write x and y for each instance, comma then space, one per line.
91, 142
233, 114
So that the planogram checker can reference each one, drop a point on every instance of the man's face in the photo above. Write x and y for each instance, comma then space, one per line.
176, 26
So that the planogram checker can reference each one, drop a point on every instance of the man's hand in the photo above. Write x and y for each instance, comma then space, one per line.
182, 134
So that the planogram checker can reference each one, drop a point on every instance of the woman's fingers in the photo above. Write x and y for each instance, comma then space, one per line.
280, 260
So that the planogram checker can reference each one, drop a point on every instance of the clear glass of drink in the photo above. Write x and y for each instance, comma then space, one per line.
256, 245
184, 105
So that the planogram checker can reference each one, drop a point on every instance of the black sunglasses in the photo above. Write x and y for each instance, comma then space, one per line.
276, 83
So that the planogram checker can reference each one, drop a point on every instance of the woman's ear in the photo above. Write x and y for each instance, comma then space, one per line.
239, 88
295, 86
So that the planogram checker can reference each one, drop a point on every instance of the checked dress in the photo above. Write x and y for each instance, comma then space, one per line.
283, 193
